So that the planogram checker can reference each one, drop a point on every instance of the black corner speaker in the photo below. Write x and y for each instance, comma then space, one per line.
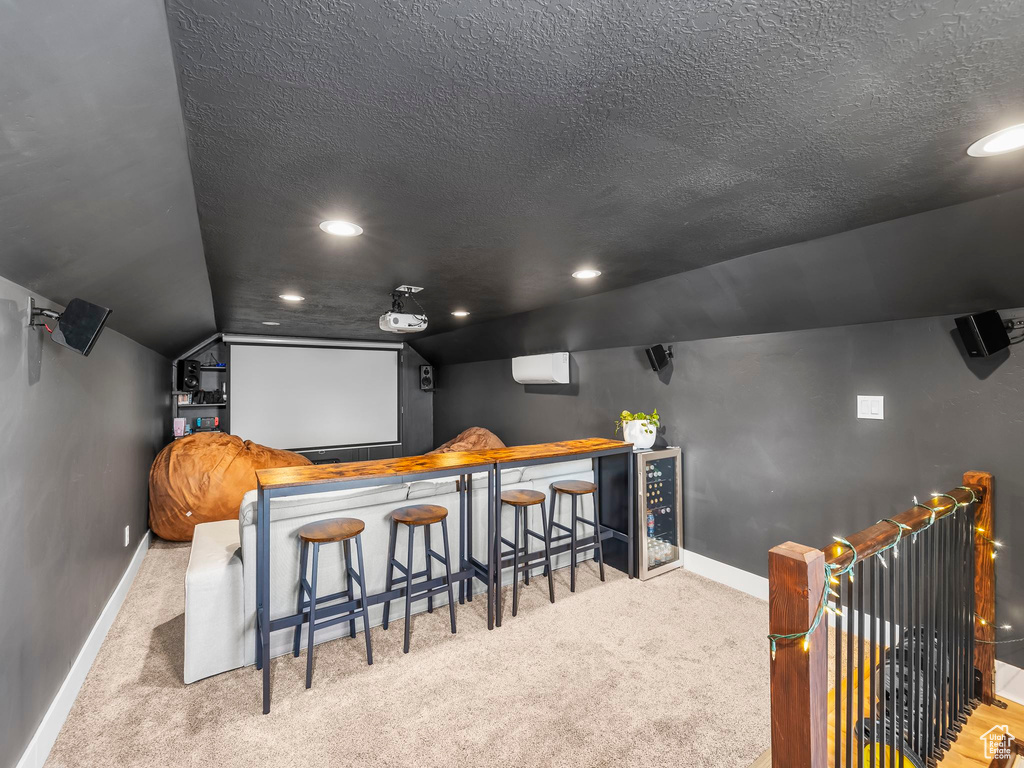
427, 378
658, 356
983, 334
188, 375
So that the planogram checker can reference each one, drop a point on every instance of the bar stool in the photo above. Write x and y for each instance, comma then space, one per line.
419, 516
575, 489
342, 529
521, 501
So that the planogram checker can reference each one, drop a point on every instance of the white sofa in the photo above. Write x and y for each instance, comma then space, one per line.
220, 581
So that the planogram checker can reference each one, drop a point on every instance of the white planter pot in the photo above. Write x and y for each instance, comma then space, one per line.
636, 432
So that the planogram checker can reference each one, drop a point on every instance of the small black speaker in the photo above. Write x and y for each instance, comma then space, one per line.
188, 375
983, 334
658, 356
427, 378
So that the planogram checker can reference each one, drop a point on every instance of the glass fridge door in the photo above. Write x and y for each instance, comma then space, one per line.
662, 537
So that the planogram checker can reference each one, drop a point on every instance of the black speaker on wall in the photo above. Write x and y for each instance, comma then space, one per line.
983, 333
188, 375
658, 356
427, 378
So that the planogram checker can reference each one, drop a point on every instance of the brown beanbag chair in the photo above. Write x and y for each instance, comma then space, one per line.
472, 439
202, 478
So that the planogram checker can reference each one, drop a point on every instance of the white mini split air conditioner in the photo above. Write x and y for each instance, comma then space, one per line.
541, 369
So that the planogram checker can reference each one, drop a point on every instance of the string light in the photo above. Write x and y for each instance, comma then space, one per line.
832, 572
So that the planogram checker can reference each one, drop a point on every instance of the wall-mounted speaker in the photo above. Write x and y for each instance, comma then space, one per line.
427, 378
983, 333
658, 356
188, 375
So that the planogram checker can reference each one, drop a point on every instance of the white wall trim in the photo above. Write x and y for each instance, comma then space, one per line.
46, 734
729, 575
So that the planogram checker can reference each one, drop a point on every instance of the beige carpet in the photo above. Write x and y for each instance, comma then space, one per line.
671, 672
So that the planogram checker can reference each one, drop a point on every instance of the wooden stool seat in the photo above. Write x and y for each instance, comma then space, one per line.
523, 498
335, 529
420, 514
575, 487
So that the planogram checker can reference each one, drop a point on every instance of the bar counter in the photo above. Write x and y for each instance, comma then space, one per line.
294, 481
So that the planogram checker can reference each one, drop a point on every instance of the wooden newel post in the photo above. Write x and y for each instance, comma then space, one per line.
984, 584
799, 678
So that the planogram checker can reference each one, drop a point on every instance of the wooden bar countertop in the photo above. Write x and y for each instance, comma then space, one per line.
287, 477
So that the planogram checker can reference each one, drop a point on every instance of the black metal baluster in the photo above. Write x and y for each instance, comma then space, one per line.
852, 627
901, 576
861, 631
837, 709
972, 613
893, 687
933, 572
941, 614
873, 648
884, 702
913, 591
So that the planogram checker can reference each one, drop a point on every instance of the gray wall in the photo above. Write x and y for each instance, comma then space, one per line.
772, 446
77, 436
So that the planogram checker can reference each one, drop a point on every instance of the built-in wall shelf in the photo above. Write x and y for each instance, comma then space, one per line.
202, 405
222, 368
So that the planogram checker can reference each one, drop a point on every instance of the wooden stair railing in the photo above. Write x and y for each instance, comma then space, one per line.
796, 578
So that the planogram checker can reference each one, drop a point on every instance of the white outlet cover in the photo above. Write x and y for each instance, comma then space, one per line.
870, 407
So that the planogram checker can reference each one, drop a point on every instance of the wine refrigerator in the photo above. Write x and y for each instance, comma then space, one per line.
660, 507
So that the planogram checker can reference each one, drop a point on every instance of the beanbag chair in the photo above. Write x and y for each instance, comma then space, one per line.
203, 477
472, 439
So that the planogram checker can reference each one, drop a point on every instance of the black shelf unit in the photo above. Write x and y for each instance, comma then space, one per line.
211, 376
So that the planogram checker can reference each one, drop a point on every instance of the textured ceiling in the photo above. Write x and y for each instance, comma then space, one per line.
96, 197
490, 148
954, 260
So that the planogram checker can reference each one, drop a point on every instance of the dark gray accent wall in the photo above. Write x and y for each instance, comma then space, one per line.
77, 436
96, 197
772, 447
418, 415
963, 258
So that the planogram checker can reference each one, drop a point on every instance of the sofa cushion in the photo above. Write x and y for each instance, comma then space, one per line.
321, 503
557, 469
421, 489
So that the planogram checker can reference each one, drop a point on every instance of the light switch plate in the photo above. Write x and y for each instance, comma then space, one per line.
870, 407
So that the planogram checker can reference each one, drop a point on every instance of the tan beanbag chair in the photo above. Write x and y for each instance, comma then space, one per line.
203, 477
472, 439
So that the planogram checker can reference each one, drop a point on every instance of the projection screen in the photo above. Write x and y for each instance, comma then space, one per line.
313, 397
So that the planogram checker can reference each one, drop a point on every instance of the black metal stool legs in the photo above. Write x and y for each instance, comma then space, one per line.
303, 560
348, 584
390, 583
312, 617
448, 573
572, 547
419, 517
547, 553
362, 597
408, 591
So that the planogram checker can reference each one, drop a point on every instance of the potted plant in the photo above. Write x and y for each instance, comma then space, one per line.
640, 429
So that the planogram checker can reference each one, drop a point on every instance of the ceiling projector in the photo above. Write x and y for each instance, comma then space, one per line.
399, 321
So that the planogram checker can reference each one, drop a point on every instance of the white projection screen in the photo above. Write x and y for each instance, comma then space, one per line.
313, 397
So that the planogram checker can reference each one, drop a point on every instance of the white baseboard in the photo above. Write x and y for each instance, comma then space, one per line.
46, 734
731, 576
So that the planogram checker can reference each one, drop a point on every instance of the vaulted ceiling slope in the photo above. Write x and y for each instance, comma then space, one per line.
960, 259
96, 197
490, 148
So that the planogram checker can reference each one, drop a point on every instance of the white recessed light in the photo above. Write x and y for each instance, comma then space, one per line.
341, 228
999, 142
586, 274
292, 297
270, 322
460, 313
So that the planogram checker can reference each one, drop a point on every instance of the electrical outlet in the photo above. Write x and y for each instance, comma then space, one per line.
127, 537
